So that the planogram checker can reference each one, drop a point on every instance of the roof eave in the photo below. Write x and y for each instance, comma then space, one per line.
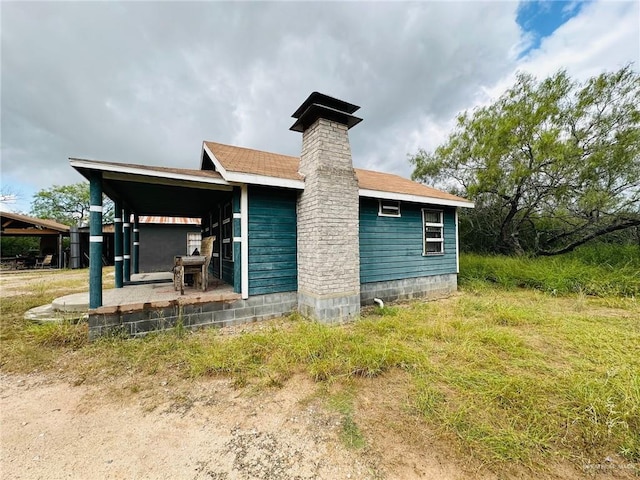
81, 164
406, 197
263, 180
38, 222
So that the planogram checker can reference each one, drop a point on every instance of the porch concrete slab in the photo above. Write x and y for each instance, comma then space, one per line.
134, 297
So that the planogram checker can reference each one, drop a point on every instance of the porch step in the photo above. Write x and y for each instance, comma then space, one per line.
74, 303
48, 314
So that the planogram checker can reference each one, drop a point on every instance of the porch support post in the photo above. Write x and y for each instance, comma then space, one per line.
126, 251
457, 244
60, 259
117, 238
136, 244
95, 240
244, 243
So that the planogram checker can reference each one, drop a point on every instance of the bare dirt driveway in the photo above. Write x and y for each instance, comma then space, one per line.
194, 430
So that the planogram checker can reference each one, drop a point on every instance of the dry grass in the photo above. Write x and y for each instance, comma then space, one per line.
510, 378
25, 346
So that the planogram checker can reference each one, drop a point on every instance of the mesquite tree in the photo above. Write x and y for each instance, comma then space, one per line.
551, 165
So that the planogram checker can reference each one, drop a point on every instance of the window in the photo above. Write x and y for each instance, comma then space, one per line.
388, 208
433, 232
227, 232
193, 241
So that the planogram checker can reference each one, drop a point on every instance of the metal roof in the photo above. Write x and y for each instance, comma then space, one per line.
17, 224
147, 219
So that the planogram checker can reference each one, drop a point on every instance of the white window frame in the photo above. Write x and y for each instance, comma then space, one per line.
191, 243
426, 224
389, 205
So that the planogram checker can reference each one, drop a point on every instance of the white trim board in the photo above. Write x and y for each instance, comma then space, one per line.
414, 198
123, 172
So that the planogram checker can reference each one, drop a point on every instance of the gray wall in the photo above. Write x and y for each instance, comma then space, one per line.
160, 243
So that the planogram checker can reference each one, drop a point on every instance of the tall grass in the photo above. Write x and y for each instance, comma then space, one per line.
602, 271
511, 376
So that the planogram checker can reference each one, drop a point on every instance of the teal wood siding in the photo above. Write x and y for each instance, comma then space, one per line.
391, 247
273, 263
237, 273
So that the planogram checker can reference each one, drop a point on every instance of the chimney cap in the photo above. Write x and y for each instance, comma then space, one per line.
327, 101
315, 111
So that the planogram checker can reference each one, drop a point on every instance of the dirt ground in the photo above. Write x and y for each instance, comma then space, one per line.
18, 282
52, 427
194, 430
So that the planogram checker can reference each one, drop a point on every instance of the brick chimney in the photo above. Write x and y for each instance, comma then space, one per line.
328, 209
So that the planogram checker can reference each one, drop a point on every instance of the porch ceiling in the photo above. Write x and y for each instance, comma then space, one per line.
158, 191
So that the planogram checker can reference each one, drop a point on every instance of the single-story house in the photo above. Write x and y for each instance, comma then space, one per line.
309, 233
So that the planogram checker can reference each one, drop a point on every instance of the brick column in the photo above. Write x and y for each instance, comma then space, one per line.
328, 225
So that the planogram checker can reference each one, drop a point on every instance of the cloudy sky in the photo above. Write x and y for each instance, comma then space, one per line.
147, 82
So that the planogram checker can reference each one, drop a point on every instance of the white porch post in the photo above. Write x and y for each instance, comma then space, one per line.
457, 245
244, 244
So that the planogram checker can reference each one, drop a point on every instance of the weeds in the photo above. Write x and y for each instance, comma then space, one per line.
67, 333
599, 271
509, 375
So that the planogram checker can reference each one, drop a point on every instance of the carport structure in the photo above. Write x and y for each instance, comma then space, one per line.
49, 231
140, 190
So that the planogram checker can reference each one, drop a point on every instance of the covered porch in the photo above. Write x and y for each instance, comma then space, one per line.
146, 290
140, 190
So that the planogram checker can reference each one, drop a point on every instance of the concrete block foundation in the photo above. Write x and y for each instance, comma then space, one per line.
169, 315
433, 286
146, 318
329, 309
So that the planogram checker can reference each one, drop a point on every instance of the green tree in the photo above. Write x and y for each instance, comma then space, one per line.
67, 204
12, 246
551, 165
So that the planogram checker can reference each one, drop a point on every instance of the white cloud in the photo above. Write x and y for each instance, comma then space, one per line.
147, 82
605, 36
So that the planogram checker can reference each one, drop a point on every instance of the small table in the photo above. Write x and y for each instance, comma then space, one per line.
195, 264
